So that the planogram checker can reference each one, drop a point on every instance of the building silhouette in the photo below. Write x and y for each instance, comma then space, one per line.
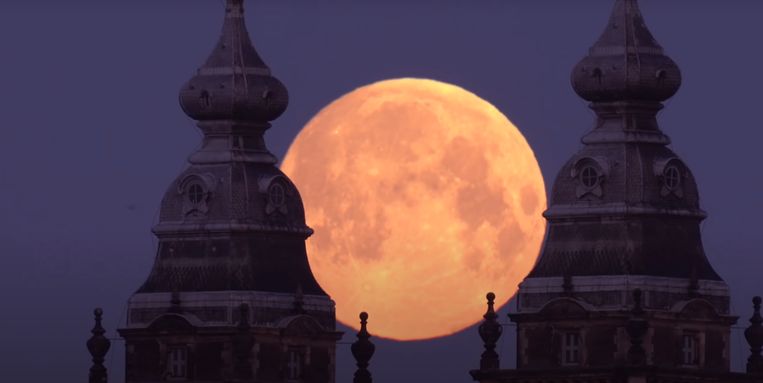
231, 296
622, 291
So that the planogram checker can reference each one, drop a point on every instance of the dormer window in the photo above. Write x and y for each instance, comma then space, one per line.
571, 348
277, 194
195, 192
590, 174
671, 173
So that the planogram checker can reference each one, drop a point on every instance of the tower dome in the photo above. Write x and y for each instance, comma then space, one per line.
626, 63
234, 83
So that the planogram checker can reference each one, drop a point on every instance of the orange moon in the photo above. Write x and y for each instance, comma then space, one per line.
423, 198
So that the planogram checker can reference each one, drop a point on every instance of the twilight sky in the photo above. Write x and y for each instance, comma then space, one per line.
92, 135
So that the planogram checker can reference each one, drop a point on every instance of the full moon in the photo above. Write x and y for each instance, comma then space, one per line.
423, 198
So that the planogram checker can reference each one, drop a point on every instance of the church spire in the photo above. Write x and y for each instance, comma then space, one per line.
233, 96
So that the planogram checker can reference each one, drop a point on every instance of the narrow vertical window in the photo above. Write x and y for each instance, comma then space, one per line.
178, 363
294, 365
571, 348
689, 350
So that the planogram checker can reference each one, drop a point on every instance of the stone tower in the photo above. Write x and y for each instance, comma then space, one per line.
622, 290
231, 296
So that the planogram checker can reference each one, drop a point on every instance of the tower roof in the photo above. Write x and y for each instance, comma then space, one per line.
626, 63
625, 204
232, 220
234, 83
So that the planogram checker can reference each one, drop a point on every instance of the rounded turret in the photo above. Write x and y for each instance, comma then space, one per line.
235, 83
626, 63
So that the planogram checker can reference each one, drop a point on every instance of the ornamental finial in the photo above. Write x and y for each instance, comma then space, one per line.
754, 335
363, 350
98, 345
490, 331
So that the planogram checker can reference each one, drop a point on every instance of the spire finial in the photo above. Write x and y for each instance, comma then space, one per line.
243, 342
98, 345
490, 330
363, 349
636, 328
754, 335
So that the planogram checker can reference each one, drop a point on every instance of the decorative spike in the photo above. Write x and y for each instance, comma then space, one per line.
363, 349
98, 345
754, 335
490, 331
243, 342
636, 328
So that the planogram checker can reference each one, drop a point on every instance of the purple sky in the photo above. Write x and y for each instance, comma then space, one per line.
93, 135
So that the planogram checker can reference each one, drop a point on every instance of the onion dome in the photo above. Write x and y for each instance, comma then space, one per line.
626, 63
234, 83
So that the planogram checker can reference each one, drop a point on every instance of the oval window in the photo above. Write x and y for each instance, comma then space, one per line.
277, 195
672, 177
195, 194
589, 177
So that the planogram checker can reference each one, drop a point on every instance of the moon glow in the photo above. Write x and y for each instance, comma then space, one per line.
423, 198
